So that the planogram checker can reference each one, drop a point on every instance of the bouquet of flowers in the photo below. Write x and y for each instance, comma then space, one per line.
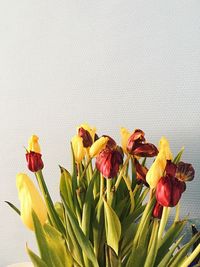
113, 210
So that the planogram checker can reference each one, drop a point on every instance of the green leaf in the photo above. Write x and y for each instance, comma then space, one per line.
169, 254
113, 227
180, 255
59, 250
13, 207
151, 256
41, 240
66, 186
169, 238
99, 231
87, 206
82, 239
178, 156
35, 259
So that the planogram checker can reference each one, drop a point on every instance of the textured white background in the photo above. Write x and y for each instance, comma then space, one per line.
108, 62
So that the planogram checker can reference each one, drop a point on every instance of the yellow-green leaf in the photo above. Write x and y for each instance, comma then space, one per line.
113, 227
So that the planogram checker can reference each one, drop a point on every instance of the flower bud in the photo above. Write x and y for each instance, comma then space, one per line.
169, 191
30, 199
97, 146
34, 161
78, 148
33, 155
157, 211
108, 162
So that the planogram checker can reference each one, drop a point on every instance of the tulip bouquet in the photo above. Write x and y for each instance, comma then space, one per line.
113, 211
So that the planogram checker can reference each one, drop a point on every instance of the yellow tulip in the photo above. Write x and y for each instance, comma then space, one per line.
97, 146
33, 144
30, 199
125, 134
91, 130
78, 148
157, 168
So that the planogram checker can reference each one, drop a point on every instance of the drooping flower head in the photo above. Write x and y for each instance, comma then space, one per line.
110, 158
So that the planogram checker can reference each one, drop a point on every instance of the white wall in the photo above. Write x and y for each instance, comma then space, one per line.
110, 63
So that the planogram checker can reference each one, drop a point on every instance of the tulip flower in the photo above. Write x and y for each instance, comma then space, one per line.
157, 211
30, 199
108, 162
97, 146
137, 146
169, 191
157, 168
125, 134
78, 148
33, 155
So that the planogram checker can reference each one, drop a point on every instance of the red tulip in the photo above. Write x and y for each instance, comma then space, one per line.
34, 161
169, 190
108, 162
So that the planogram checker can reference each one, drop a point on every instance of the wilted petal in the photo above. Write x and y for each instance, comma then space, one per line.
170, 168
135, 140
145, 150
111, 142
185, 171
141, 172
85, 135
108, 162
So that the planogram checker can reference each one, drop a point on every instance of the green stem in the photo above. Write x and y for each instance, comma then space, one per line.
101, 184
49, 203
163, 222
109, 193
177, 216
122, 172
85, 169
